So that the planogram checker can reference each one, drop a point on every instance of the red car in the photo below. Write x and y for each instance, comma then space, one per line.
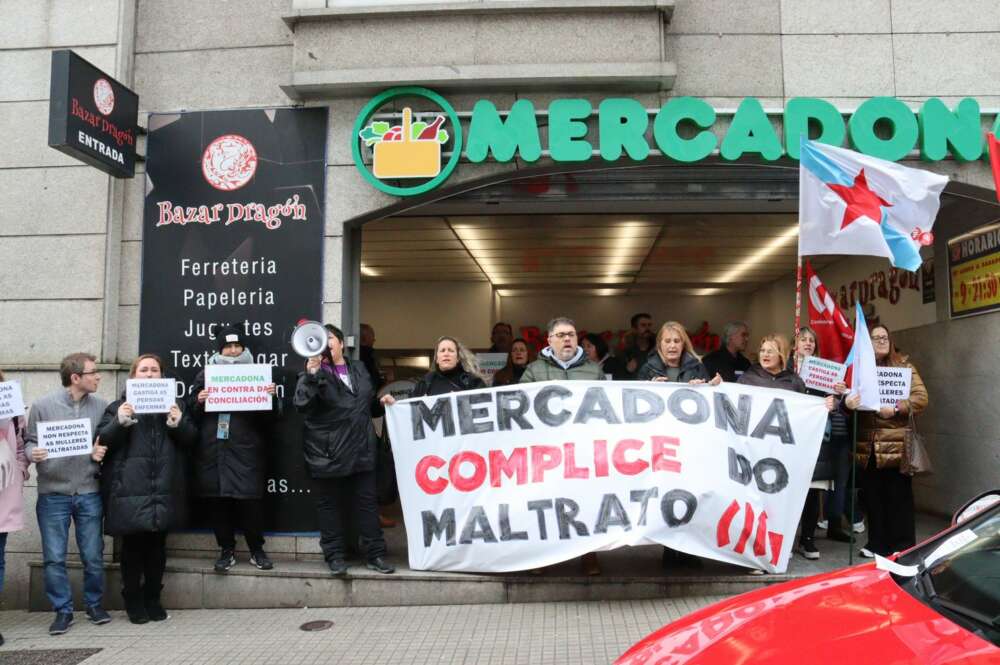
940, 603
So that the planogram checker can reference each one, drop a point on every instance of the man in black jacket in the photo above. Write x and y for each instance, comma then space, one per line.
729, 361
230, 468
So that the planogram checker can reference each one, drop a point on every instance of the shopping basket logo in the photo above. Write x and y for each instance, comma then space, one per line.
411, 149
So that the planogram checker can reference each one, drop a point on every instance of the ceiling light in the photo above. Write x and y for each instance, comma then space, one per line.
767, 250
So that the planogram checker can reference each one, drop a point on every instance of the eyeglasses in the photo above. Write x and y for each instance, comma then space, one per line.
93, 371
880, 338
563, 335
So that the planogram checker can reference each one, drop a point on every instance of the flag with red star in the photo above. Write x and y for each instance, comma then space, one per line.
851, 203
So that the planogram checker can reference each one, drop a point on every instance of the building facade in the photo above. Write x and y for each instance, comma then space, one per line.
72, 236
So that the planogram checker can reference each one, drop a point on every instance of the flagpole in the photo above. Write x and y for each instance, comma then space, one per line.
852, 488
798, 295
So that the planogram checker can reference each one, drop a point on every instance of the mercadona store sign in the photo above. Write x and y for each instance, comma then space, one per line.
405, 159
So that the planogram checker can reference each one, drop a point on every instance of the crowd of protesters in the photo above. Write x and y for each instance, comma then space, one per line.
133, 484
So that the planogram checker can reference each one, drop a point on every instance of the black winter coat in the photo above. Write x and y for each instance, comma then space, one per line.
437, 382
233, 467
691, 368
143, 475
339, 439
825, 468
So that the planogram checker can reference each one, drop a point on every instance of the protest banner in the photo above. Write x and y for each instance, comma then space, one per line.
893, 384
65, 438
11, 399
151, 395
821, 374
514, 478
238, 388
490, 364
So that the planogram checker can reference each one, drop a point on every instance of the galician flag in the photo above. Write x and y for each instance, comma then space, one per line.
861, 365
851, 203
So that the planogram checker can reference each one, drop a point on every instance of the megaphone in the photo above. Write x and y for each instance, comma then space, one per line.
309, 338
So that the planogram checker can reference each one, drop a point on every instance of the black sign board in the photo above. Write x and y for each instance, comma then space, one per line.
92, 117
233, 234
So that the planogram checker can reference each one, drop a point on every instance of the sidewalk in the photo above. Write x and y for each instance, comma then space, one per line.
544, 633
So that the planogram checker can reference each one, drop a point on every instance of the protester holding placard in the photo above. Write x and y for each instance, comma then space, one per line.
13, 472
832, 466
517, 361
143, 481
771, 371
68, 489
335, 396
888, 493
229, 468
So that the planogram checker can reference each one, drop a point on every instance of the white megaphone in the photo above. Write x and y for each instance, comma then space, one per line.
309, 338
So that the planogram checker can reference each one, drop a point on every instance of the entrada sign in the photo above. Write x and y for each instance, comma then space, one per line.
92, 117
883, 127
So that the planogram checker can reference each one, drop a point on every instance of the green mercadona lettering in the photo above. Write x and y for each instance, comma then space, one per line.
883, 127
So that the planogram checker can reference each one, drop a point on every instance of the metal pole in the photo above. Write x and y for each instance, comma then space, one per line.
851, 488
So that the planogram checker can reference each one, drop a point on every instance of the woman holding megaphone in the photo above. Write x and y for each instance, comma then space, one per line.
335, 396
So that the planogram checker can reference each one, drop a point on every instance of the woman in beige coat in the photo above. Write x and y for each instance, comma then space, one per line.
888, 493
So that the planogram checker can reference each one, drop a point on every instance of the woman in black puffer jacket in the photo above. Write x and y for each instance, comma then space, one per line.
771, 371
335, 395
455, 369
143, 486
674, 359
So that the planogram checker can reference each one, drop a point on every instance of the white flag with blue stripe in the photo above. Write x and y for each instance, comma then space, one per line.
851, 203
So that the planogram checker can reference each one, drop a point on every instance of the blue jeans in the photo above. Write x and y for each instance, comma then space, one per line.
54, 513
3, 556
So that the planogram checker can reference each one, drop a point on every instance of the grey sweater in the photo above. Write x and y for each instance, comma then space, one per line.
65, 475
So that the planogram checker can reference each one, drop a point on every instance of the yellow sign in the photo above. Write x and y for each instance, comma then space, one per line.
399, 154
974, 267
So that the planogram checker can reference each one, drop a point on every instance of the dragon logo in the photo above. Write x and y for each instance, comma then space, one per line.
104, 97
229, 162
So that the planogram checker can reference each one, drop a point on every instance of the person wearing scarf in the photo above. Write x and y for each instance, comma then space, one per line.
230, 461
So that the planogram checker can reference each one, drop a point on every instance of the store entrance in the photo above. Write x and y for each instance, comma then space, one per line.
690, 244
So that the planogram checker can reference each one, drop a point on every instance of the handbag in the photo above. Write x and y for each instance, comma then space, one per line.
915, 459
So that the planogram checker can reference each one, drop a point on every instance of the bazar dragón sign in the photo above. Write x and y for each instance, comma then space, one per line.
514, 478
92, 117
681, 129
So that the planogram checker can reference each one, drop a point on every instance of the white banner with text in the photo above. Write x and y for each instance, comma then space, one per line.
514, 478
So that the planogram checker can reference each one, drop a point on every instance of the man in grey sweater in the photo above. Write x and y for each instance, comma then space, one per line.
68, 489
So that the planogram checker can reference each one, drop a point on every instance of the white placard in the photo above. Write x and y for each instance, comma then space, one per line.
238, 388
893, 384
151, 395
11, 400
519, 477
821, 374
65, 438
490, 364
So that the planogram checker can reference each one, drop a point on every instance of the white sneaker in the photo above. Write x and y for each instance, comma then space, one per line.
867, 553
822, 524
858, 527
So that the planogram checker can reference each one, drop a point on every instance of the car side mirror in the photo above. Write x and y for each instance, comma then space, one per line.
976, 506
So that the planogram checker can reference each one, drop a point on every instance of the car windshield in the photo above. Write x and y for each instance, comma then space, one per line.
961, 574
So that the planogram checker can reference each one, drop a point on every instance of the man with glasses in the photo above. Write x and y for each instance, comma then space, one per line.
68, 489
564, 360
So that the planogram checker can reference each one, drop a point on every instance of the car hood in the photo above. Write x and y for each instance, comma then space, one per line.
852, 616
